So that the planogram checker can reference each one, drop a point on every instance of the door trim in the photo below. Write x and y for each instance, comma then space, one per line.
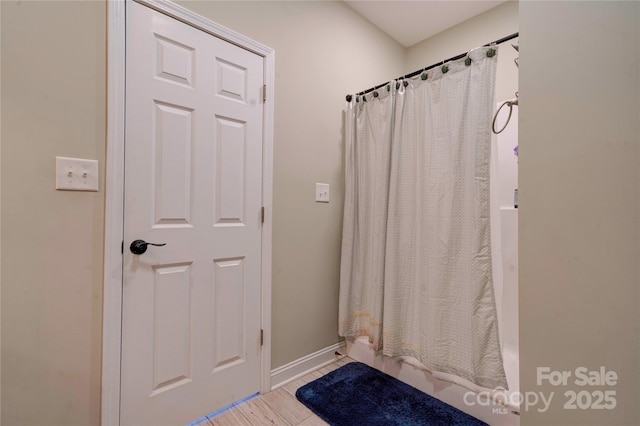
0, 245
114, 192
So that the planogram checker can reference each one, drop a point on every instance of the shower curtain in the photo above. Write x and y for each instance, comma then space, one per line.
416, 257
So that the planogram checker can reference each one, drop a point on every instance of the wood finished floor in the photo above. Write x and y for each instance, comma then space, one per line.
279, 407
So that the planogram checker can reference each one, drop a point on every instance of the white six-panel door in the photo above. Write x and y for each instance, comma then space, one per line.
193, 179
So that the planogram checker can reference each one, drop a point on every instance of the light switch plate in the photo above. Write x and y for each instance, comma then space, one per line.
76, 174
322, 192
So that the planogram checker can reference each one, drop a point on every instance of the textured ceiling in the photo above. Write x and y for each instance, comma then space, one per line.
409, 22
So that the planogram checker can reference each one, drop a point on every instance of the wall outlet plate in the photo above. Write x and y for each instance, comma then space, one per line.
76, 174
322, 192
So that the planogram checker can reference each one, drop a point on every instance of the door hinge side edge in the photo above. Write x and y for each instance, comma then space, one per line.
262, 215
261, 337
264, 93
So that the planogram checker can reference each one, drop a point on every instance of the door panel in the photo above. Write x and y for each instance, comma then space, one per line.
172, 163
230, 166
193, 180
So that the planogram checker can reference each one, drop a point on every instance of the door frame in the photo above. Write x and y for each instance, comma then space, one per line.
114, 191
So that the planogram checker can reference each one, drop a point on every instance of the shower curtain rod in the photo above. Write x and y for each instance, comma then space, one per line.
413, 74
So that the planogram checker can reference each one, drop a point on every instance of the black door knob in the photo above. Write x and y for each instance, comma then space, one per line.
140, 246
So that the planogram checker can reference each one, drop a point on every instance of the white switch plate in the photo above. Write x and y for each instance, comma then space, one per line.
322, 192
76, 174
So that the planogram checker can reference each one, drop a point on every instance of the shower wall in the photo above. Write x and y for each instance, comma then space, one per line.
504, 239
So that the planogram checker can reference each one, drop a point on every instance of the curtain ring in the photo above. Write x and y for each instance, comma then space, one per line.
401, 85
444, 67
467, 60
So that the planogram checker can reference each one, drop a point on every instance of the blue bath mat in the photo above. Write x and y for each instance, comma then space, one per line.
357, 394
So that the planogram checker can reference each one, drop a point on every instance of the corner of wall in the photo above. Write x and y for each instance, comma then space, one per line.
580, 209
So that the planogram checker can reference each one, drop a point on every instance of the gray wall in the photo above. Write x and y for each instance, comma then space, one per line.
579, 202
53, 103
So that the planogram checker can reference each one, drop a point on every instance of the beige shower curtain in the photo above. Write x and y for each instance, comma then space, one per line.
416, 254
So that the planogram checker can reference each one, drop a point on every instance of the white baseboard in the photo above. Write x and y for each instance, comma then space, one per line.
302, 366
